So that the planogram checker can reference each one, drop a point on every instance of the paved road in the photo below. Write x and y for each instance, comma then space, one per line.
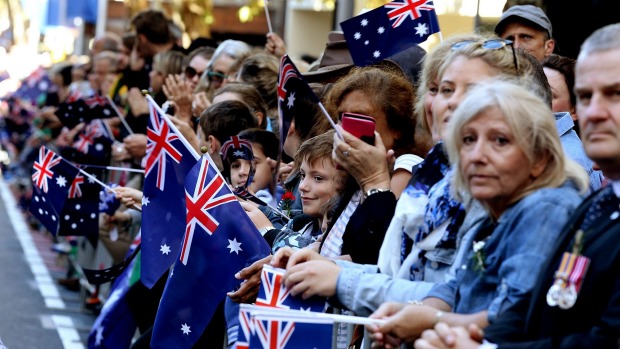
35, 313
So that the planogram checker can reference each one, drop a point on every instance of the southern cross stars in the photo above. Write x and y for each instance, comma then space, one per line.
234, 246
291, 100
145, 201
364, 22
357, 36
376, 54
186, 329
421, 29
164, 249
381, 30
61, 181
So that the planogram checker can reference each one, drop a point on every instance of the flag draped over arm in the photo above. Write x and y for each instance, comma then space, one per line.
168, 161
219, 240
387, 30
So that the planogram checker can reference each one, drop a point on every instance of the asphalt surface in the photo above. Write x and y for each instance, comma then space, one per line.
35, 312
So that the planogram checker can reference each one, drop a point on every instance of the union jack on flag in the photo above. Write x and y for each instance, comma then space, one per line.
282, 331
96, 100
85, 140
43, 168
273, 293
159, 149
75, 190
273, 334
199, 204
403, 9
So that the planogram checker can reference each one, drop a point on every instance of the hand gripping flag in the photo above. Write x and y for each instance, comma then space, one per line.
168, 161
220, 240
294, 96
51, 180
273, 293
389, 29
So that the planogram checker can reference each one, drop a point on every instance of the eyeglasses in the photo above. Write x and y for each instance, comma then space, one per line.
190, 72
215, 76
492, 44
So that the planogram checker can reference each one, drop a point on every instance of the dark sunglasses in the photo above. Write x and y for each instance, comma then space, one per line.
215, 76
190, 72
492, 44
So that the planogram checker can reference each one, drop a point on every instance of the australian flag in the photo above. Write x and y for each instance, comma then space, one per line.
80, 213
92, 145
115, 325
389, 29
84, 109
220, 240
51, 180
272, 331
34, 87
168, 161
294, 95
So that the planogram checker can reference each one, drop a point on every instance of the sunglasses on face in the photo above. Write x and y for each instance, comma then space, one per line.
190, 73
492, 44
215, 76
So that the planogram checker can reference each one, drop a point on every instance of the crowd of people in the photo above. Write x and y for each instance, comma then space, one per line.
481, 213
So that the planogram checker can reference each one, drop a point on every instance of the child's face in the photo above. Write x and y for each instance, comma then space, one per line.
318, 184
239, 170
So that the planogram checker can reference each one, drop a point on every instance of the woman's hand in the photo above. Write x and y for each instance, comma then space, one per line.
179, 94
404, 322
248, 290
366, 163
275, 45
287, 257
200, 103
315, 277
256, 215
137, 102
446, 337
129, 197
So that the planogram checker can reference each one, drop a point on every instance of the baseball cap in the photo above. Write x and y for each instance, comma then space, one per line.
529, 13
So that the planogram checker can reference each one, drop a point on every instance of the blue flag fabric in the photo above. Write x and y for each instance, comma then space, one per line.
34, 87
108, 203
293, 91
220, 240
389, 29
115, 326
51, 180
79, 109
80, 213
168, 161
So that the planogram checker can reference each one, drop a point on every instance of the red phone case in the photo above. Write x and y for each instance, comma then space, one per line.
361, 126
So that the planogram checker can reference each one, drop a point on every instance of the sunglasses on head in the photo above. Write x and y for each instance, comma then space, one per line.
190, 72
492, 44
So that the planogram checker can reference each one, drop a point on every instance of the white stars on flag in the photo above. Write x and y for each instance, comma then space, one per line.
145, 201
357, 36
61, 181
234, 246
421, 29
366, 42
291, 100
238, 153
381, 30
164, 249
364, 22
376, 54
186, 329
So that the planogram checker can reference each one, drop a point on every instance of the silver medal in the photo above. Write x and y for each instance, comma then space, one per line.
553, 294
568, 297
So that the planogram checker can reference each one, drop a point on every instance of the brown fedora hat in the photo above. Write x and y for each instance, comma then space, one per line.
334, 63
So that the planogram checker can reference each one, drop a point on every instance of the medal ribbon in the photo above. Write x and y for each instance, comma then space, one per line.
578, 272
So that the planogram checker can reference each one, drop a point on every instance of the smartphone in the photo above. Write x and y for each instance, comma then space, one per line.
361, 126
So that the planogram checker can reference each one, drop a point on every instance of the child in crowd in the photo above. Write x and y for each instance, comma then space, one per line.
264, 145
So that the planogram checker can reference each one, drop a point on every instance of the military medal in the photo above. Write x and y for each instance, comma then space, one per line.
569, 277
